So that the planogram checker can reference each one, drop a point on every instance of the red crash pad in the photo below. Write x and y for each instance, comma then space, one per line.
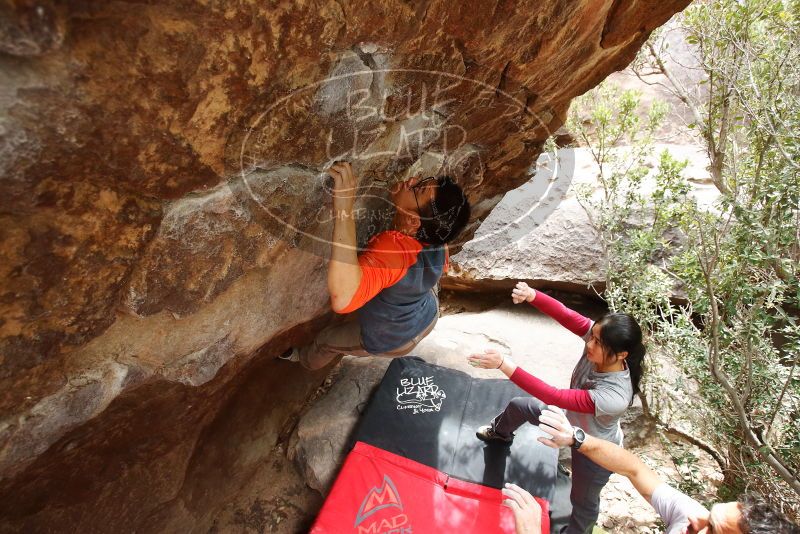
378, 492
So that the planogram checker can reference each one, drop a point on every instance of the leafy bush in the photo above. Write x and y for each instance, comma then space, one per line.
733, 269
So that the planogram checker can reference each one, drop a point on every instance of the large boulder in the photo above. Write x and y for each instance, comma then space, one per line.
318, 444
542, 233
164, 217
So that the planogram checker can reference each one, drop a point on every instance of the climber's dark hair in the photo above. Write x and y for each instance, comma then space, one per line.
619, 332
758, 517
447, 214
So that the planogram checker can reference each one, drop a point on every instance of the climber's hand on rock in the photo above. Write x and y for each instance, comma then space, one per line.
489, 359
527, 511
344, 188
552, 421
523, 293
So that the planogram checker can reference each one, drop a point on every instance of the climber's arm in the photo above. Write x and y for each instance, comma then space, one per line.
576, 400
344, 271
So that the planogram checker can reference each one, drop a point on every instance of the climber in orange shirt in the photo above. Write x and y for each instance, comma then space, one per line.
391, 284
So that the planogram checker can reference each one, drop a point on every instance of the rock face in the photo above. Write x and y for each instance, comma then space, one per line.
318, 444
164, 215
539, 232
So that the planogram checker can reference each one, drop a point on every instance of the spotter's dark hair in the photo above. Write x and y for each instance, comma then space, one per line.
619, 332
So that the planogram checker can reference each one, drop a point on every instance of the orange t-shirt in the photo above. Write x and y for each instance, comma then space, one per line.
386, 261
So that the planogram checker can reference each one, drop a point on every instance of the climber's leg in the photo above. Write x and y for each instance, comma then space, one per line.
335, 340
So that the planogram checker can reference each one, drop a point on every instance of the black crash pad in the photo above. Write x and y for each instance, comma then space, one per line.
429, 414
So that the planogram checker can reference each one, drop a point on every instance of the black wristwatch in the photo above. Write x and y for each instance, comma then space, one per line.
578, 435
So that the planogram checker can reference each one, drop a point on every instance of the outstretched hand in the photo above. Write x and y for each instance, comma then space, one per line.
344, 186
522, 293
490, 359
552, 421
527, 512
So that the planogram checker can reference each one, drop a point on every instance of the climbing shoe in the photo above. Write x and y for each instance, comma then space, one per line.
290, 355
487, 434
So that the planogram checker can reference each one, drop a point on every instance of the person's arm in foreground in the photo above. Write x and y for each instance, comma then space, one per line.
604, 453
527, 512
576, 400
344, 272
568, 318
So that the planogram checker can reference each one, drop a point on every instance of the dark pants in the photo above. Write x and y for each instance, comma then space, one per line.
588, 478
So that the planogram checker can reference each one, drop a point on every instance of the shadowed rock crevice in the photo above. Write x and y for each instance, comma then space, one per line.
164, 445
30, 28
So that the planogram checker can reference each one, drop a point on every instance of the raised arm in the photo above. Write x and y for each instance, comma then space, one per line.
604, 453
344, 271
576, 400
569, 319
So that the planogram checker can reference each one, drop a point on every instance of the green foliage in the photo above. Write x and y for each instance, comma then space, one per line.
748, 252
633, 234
736, 264
691, 481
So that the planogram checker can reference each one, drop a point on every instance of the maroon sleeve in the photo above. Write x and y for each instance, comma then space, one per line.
569, 319
576, 400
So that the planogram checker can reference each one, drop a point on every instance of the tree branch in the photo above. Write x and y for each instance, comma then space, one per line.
766, 452
714, 153
780, 397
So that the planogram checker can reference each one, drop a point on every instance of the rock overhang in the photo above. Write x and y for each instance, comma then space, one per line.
137, 252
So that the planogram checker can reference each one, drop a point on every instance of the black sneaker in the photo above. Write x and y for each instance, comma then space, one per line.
290, 355
486, 433
564, 470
